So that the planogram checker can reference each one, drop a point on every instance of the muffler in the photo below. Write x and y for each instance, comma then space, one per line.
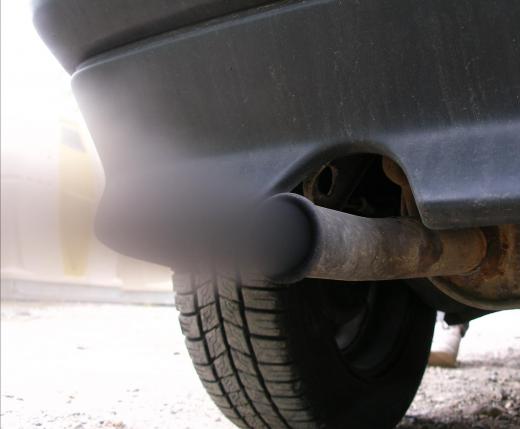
297, 239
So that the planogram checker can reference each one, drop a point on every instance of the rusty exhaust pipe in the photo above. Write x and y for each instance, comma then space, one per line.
302, 240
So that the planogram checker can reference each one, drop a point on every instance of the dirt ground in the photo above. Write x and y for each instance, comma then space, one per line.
80, 366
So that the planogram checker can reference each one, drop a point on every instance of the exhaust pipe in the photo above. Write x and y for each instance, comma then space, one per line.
298, 239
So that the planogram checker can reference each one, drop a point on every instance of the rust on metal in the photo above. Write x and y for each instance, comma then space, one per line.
495, 283
354, 248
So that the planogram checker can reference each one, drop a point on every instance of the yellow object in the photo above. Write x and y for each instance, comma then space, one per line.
77, 196
51, 180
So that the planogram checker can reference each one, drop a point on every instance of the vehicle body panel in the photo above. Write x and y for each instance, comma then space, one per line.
254, 101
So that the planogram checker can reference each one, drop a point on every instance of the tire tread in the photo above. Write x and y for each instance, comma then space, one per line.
236, 339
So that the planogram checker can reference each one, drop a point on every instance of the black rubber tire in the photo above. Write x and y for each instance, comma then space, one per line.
266, 357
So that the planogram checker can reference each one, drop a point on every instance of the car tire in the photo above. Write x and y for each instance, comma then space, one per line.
270, 356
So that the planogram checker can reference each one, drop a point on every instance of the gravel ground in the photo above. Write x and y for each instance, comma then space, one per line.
84, 366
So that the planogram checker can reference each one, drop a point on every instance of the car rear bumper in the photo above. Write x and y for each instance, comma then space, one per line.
249, 103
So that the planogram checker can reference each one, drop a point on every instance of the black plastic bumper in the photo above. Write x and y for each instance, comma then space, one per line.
252, 101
